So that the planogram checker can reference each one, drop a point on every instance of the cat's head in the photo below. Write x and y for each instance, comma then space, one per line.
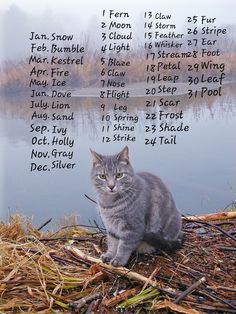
112, 174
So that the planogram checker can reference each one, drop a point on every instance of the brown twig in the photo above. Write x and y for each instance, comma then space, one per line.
118, 270
89, 198
76, 225
81, 302
62, 260
214, 309
45, 224
76, 258
156, 270
92, 307
173, 308
66, 239
230, 205
102, 230
227, 248
224, 223
222, 288
212, 216
190, 289
214, 226
209, 291
120, 297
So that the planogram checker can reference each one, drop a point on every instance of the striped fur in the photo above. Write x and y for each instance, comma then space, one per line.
136, 209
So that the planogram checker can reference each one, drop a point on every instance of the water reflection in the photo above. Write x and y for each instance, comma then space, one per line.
200, 169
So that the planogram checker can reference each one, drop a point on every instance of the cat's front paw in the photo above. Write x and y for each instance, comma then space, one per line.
116, 261
106, 257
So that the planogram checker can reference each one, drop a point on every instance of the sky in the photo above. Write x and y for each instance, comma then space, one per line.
92, 6
80, 17
223, 9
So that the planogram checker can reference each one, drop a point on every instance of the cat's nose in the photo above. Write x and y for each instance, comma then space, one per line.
111, 186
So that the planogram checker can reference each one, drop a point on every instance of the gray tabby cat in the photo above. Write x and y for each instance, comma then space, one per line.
137, 209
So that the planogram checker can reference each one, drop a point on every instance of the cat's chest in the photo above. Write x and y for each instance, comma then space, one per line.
113, 221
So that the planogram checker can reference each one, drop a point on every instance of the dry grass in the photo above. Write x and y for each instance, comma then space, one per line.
15, 77
39, 274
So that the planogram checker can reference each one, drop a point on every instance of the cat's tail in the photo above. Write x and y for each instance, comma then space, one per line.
161, 243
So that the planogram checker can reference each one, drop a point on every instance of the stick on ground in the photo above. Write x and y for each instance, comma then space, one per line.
190, 289
118, 270
213, 216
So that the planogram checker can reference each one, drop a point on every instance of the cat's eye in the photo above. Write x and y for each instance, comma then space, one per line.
102, 176
119, 175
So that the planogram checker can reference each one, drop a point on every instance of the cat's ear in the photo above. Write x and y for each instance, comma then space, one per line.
96, 157
124, 155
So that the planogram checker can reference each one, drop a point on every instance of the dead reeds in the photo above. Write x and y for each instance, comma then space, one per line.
60, 272
15, 77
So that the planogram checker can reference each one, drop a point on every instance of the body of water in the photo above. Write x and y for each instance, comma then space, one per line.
200, 169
